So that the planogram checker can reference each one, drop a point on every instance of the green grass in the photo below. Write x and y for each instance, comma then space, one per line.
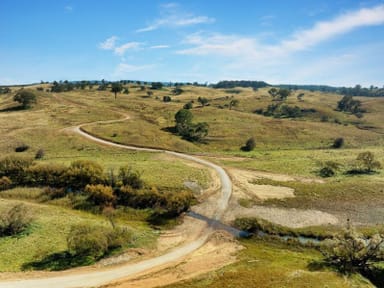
270, 265
48, 232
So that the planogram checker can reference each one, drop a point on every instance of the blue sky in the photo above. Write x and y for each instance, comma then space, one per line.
335, 42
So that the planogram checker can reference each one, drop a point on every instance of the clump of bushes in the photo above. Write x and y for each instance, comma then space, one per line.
88, 187
279, 110
14, 221
365, 163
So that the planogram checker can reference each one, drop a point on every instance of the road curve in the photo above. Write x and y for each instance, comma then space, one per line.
104, 276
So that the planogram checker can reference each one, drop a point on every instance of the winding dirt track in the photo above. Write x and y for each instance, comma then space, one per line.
104, 276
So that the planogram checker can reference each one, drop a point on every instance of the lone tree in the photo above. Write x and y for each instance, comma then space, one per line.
116, 88
188, 130
249, 145
26, 98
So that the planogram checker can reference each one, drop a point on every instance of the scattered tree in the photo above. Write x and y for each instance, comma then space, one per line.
203, 101
188, 130
26, 98
352, 252
156, 85
338, 143
348, 104
183, 117
233, 103
188, 105
116, 88
167, 99
249, 145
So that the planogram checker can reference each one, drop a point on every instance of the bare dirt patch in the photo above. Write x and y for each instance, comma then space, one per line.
220, 250
243, 188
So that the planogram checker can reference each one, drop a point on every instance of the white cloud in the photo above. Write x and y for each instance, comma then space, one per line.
68, 8
125, 68
120, 50
108, 44
159, 47
247, 47
323, 31
173, 16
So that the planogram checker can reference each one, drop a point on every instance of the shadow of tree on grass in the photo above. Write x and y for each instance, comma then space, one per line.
59, 261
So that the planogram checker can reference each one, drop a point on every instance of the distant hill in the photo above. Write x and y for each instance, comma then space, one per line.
352, 91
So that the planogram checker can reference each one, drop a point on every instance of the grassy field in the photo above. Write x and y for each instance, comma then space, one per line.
268, 265
297, 147
49, 230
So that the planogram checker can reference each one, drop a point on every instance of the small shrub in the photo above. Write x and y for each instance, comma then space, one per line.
14, 221
40, 154
365, 163
5, 183
86, 240
188, 105
167, 99
326, 172
338, 143
249, 145
22, 148
329, 169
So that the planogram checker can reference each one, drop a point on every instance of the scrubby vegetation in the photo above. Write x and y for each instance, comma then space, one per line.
14, 221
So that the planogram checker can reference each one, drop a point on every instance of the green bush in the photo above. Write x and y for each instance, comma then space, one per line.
100, 194
96, 241
26, 98
14, 221
86, 240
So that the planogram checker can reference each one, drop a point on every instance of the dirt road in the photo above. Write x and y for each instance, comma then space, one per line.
102, 276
